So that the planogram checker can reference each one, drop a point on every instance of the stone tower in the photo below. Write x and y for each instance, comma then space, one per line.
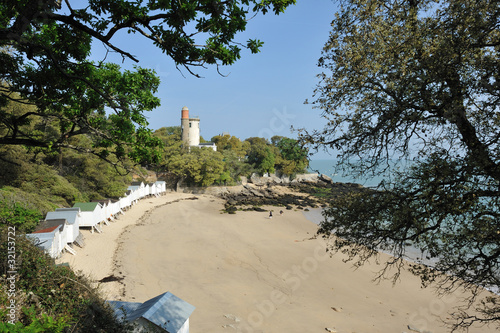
190, 128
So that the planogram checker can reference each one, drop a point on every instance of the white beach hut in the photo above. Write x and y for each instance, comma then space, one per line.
47, 241
111, 208
140, 187
106, 210
115, 209
92, 215
51, 237
152, 189
133, 195
72, 216
163, 313
161, 186
124, 203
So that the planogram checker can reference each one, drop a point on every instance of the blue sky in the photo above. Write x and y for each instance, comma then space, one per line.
263, 94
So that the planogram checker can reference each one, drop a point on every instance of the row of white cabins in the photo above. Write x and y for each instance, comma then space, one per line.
60, 229
165, 313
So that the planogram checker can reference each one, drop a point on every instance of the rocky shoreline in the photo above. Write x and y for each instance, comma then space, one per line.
302, 192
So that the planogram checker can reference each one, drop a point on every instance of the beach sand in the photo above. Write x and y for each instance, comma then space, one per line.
245, 272
97, 258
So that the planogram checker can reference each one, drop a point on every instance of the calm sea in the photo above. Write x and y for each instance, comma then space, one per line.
327, 167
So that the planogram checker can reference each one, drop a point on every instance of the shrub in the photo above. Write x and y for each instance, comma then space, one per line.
52, 296
14, 214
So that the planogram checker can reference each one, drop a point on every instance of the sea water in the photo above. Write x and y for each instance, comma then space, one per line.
327, 167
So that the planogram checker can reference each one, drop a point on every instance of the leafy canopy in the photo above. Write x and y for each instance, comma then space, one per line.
418, 81
293, 156
234, 158
261, 155
46, 72
199, 166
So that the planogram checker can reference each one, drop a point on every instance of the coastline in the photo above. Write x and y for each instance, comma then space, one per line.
314, 215
96, 258
245, 272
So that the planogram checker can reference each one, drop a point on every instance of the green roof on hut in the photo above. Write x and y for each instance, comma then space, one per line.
86, 206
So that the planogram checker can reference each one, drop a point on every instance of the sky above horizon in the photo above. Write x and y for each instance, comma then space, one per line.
262, 94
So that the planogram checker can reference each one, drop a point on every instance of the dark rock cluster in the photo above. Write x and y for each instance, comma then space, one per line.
304, 195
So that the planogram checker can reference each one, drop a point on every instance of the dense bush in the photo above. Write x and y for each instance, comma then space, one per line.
15, 215
49, 296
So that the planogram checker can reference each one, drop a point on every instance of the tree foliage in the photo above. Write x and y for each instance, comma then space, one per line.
228, 142
59, 178
94, 178
50, 91
418, 81
261, 155
234, 158
26, 171
199, 166
293, 155
234, 167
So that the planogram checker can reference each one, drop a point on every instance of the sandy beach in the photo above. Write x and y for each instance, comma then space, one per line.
246, 272
97, 258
